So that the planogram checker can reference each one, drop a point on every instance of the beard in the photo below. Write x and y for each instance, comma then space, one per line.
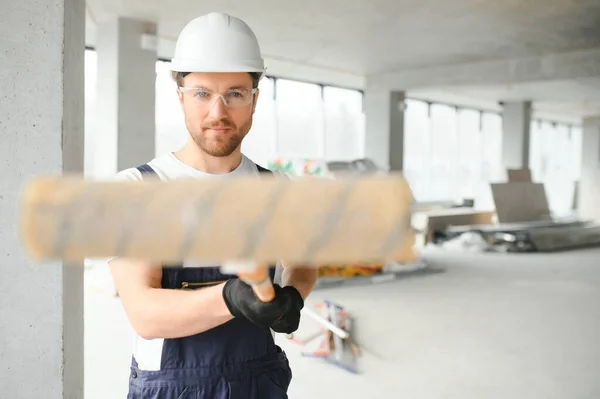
220, 145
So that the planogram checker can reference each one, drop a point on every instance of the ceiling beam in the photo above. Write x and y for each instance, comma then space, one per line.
571, 65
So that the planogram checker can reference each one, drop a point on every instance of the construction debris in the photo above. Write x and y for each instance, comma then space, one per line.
389, 272
524, 223
528, 237
333, 340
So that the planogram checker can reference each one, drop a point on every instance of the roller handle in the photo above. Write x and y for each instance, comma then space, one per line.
260, 282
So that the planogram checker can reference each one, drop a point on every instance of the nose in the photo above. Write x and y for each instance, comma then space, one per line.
218, 109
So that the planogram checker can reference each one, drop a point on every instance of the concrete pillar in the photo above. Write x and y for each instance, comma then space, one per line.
41, 132
589, 185
516, 121
384, 134
124, 135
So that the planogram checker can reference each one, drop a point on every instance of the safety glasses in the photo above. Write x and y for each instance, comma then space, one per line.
233, 98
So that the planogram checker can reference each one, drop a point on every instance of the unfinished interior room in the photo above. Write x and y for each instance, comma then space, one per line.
307, 200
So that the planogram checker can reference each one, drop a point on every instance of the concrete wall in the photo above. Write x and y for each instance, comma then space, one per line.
41, 131
384, 132
589, 186
123, 134
516, 122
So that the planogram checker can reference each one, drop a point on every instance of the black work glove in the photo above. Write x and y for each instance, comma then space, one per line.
243, 302
291, 319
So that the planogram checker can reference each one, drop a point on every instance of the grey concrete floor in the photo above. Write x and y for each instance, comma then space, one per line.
481, 326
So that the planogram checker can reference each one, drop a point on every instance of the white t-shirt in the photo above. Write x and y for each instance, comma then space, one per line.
169, 167
148, 353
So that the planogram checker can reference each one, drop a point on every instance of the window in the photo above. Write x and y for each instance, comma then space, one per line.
417, 136
490, 169
469, 156
555, 154
344, 124
443, 155
300, 118
491, 140
451, 153
260, 143
171, 132
576, 137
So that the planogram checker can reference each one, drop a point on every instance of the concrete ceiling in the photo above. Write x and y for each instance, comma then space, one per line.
342, 41
370, 36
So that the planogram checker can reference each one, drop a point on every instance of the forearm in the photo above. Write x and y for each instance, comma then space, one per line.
303, 278
169, 313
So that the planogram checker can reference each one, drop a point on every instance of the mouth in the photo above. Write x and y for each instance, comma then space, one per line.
220, 129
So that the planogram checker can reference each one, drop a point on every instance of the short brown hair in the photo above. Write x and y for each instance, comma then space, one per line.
178, 78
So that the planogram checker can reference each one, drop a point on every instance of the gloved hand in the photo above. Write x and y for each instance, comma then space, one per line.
243, 302
291, 319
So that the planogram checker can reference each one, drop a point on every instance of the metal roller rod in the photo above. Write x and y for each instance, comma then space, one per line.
326, 323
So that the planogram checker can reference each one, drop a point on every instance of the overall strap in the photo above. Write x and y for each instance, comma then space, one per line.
146, 169
262, 170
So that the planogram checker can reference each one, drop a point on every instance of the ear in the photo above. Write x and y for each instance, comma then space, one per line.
255, 100
179, 96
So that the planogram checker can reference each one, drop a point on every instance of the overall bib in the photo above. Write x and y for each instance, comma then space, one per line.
236, 360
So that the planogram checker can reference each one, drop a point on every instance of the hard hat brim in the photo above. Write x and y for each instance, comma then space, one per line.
195, 66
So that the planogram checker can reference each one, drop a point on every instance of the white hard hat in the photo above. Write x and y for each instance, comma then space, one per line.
217, 42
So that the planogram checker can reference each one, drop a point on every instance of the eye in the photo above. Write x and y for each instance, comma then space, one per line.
202, 94
236, 93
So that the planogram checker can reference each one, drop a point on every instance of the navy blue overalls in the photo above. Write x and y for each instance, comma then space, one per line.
236, 360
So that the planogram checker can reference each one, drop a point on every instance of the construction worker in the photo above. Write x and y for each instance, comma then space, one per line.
200, 333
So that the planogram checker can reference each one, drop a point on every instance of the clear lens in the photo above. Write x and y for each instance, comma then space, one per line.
231, 98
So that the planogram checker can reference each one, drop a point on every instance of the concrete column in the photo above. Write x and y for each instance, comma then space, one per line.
589, 185
124, 135
41, 132
384, 134
516, 122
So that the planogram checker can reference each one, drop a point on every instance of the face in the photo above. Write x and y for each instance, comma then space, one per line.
218, 130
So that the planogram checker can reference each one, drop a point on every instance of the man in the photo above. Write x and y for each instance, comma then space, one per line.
200, 333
